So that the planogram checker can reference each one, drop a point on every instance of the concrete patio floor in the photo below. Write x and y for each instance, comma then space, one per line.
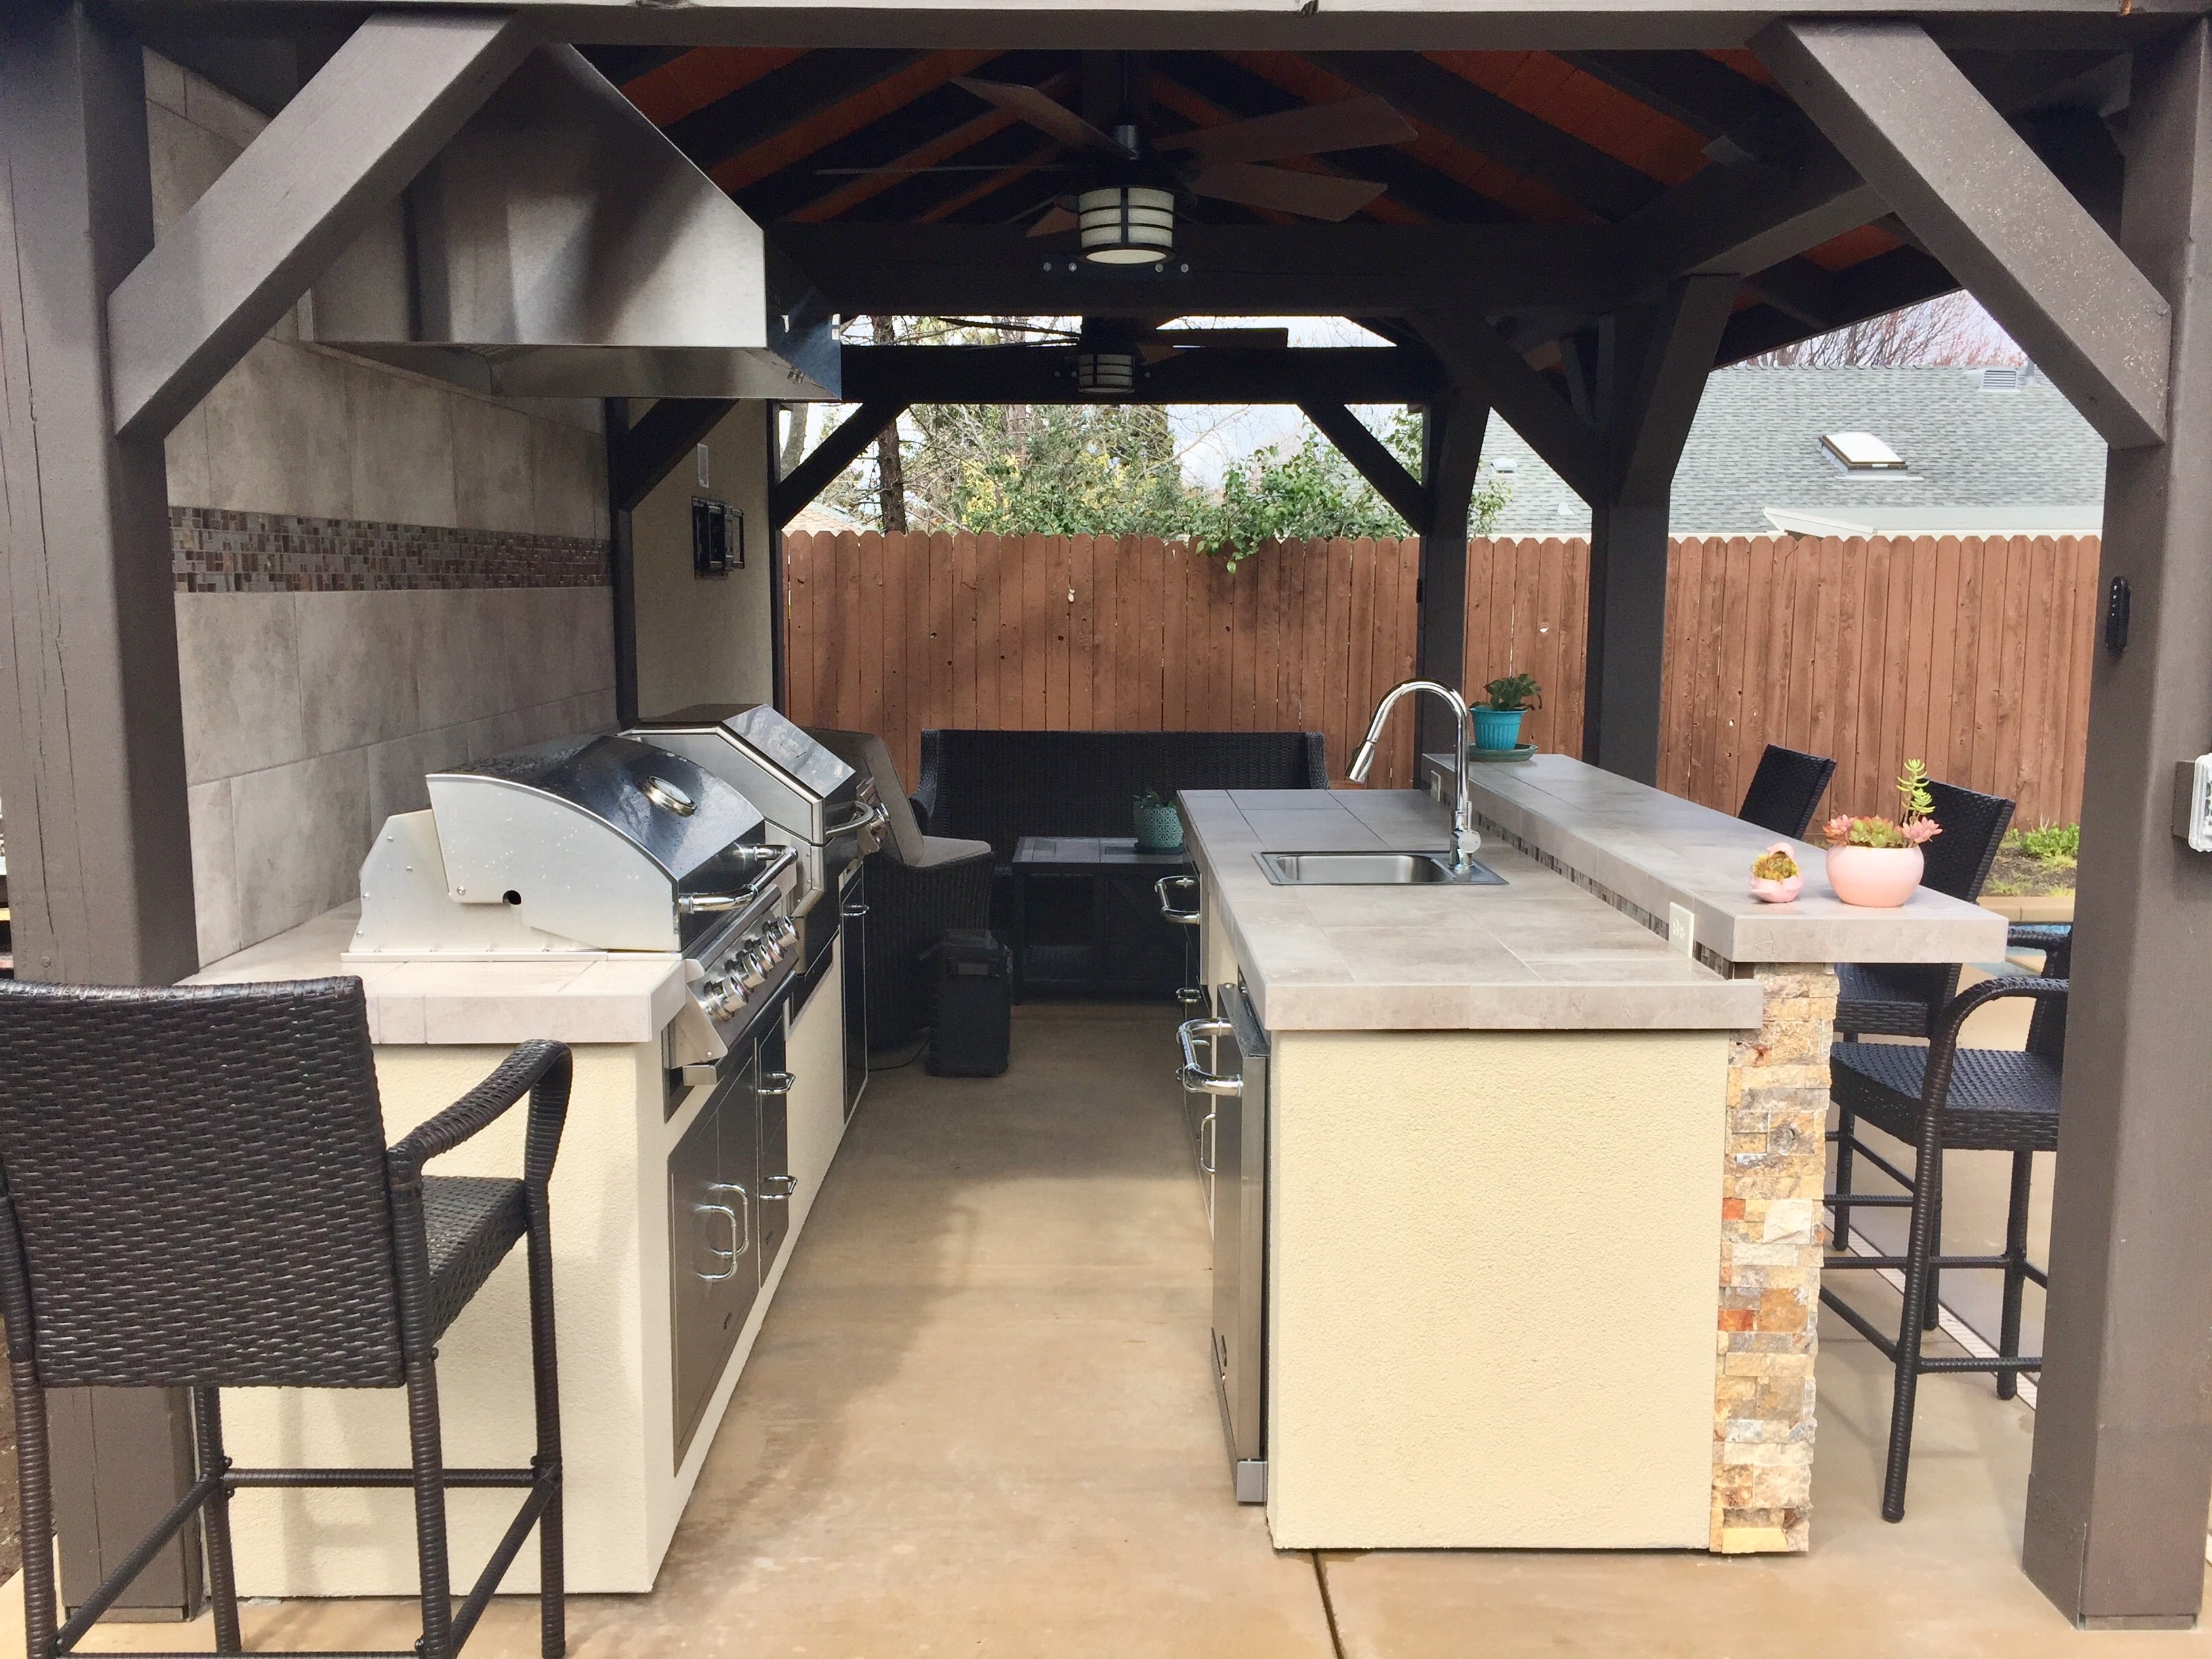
978, 1421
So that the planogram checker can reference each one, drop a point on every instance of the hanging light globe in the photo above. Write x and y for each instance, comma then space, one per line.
1126, 224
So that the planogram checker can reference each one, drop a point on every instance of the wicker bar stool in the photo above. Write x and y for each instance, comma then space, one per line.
272, 1241
1785, 790
1938, 1098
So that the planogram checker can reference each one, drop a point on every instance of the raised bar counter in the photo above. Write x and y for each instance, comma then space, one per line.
1652, 849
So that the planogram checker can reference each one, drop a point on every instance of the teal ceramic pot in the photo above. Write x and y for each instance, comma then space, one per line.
1498, 728
1159, 828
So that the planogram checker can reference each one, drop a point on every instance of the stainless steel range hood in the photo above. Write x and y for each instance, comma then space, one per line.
561, 246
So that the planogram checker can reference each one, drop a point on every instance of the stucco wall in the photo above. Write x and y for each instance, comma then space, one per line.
706, 639
378, 575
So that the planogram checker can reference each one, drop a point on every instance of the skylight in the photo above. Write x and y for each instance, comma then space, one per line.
1861, 452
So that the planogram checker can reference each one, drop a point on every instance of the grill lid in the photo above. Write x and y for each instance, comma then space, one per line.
601, 839
802, 787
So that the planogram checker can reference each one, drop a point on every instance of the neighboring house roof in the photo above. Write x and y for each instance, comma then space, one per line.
816, 520
1978, 459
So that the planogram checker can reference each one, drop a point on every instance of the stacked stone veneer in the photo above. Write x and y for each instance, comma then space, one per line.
1769, 1267
1771, 1241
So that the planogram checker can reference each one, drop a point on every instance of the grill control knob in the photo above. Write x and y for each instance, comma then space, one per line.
786, 932
748, 968
719, 998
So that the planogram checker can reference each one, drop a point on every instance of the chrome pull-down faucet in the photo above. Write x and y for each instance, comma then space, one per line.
1464, 841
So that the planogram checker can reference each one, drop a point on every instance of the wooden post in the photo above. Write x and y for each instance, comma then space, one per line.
2123, 1469
1452, 430
92, 749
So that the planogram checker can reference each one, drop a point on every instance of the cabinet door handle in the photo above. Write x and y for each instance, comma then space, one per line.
729, 1256
1188, 918
854, 912
782, 1185
1192, 1074
776, 1083
741, 1235
1206, 1129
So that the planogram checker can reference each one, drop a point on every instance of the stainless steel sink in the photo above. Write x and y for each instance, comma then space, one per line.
1372, 869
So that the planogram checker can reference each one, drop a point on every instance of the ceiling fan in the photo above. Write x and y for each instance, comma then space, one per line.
1126, 214
1109, 350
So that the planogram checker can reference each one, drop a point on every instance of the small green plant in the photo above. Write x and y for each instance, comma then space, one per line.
1775, 864
1909, 828
1155, 795
2049, 843
1510, 692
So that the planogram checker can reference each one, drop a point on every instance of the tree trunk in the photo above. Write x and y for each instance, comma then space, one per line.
794, 440
890, 468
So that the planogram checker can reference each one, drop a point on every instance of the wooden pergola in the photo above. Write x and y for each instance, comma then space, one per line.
1599, 205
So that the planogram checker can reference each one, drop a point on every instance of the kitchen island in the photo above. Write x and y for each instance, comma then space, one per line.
1541, 1173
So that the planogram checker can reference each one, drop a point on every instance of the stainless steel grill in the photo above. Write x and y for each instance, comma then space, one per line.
814, 803
592, 846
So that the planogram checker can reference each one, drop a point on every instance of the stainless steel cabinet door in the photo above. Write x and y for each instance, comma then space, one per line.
1240, 1243
773, 1195
714, 1177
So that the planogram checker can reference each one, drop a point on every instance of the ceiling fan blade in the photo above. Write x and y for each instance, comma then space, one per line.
1253, 338
1314, 195
1354, 123
1043, 113
1052, 221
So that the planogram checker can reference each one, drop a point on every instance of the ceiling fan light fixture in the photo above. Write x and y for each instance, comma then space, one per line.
1126, 224
1105, 373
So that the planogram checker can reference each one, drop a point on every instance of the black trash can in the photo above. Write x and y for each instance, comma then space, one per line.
971, 997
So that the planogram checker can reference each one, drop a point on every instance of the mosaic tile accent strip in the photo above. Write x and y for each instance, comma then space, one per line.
215, 550
1770, 1247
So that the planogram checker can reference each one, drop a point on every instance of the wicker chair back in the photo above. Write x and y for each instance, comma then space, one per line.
1786, 790
1974, 826
198, 1185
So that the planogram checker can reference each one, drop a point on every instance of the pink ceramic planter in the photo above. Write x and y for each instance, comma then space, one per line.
1877, 878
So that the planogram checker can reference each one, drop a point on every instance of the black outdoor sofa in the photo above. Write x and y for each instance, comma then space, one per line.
1000, 786
997, 787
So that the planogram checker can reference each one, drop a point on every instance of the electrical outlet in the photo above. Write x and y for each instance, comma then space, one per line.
2192, 803
1682, 929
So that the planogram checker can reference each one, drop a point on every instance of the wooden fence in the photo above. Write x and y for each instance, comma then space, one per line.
1971, 654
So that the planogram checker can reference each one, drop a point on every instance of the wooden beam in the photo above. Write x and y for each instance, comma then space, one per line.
782, 99
1980, 200
1371, 457
837, 450
907, 374
1903, 276
1534, 405
226, 272
1496, 130
1303, 269
1647, 436
642, 455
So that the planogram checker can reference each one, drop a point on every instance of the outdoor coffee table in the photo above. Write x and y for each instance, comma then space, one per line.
1086, 922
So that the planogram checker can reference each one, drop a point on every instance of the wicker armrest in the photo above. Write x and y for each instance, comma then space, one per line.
920, 812
540, 1069
1943, 1038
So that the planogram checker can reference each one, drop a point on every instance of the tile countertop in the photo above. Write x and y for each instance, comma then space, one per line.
599, 1000
1537, 954
1654, 849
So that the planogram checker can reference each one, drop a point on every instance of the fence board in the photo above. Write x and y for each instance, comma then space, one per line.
1972, 655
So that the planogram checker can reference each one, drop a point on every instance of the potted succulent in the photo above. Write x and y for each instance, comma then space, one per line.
1497, 723
1775, 877
1876, 862
1159, 825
